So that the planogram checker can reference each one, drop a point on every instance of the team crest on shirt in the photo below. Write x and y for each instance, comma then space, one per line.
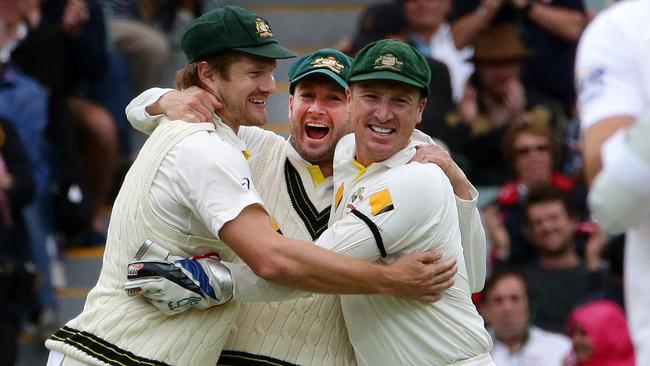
263, 28
357, 196
388, 61
329, 62
246, 183
590, 83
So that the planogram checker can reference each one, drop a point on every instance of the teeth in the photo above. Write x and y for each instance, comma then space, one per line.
258, 101
316, 125
381, 129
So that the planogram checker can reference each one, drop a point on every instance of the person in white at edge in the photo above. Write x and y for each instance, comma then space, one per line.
317, 95
210, 205
613, 82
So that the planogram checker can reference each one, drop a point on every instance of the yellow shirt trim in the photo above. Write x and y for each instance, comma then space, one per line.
362, 169
316, 174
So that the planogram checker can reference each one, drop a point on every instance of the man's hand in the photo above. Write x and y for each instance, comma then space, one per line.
190, 105
432, 153
423, 276
198, 282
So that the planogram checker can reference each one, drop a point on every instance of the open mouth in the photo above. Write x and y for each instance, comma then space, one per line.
316, 131
381, 130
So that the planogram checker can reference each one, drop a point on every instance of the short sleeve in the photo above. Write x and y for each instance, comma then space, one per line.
213, 180
607, 75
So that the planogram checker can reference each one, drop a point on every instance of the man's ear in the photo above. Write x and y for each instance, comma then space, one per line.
206, 74
290, 105
421, 105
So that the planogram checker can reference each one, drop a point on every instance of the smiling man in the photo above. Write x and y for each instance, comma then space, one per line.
385, 208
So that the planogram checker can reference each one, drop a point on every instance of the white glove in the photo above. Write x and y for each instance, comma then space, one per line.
175, 284
620, 193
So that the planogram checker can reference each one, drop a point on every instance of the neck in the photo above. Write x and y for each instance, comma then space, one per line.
326, 168
565, 260
234, 126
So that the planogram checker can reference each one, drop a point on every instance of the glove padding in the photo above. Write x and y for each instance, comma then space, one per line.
198, 282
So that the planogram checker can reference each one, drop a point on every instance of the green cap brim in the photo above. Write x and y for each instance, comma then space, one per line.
324, 71
389, 75
269, 50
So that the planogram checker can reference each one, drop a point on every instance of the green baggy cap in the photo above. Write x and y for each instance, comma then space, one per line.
230, 28
326, 61
389, 59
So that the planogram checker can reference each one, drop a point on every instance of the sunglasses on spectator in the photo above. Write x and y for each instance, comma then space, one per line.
525, 150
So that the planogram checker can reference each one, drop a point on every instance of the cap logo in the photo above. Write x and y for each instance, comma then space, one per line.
388, 61
263, 28
329, 62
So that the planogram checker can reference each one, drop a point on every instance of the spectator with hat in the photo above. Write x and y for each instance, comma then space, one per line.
496, 100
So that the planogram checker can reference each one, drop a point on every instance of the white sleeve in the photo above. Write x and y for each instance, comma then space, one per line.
137, 114
213, 180
249, 287
607, 75
472, 237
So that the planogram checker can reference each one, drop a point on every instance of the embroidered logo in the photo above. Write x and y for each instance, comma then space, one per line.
388, 61
358, 195
246, 183
329, 62
263, 28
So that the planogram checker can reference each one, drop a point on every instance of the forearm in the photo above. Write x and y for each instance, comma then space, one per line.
311, 268
465, 28
300, 264
567, 24
594, 137
249, 287
473, 240
144, 110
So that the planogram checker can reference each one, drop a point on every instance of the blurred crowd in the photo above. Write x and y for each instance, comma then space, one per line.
502, 100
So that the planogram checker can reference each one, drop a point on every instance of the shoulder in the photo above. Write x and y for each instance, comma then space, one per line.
207, 147
416, 180
345, 148
252, 133
619, 19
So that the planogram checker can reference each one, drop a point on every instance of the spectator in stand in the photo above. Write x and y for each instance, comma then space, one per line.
506, 310
16, 283
71, 35
145, 47
496, 100
430, 33
24, 104
550, 27
532, 152
559, 278
600, 336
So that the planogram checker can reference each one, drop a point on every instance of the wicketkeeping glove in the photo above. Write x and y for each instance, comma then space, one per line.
199, 282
